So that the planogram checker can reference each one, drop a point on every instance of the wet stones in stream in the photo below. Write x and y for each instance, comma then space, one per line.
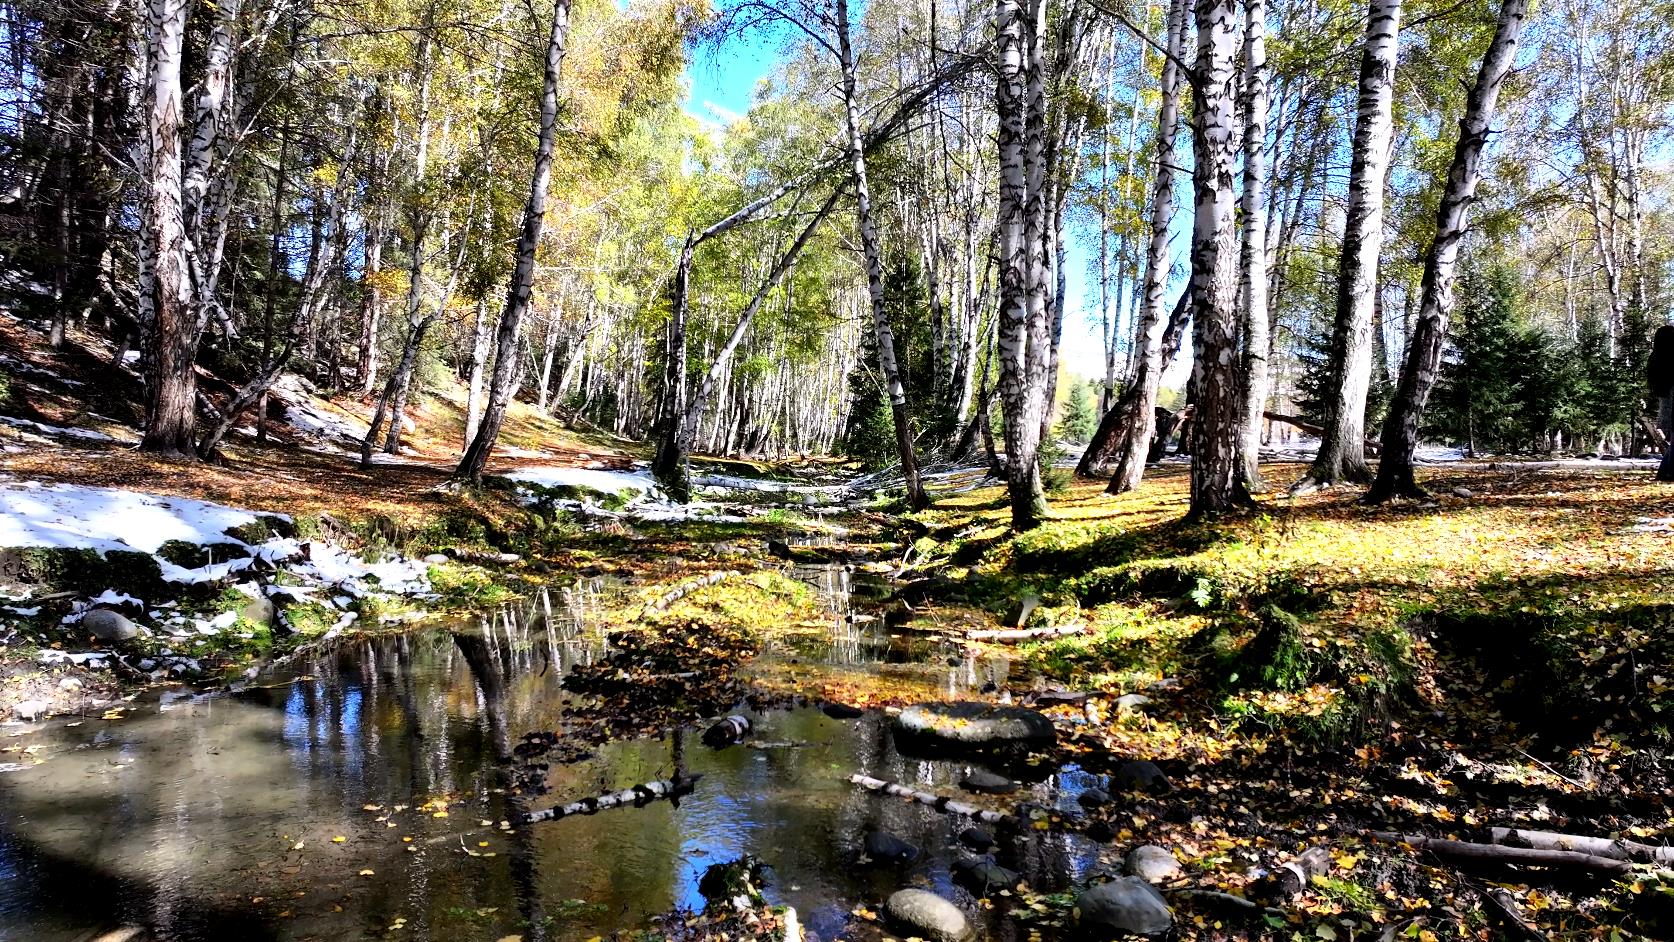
1124, 905
923, 913
881, 847
1093, 798
983, 782
975, 726
977, 839
1141, 776
982, 876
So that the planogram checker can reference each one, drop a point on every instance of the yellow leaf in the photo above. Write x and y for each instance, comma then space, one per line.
338, 839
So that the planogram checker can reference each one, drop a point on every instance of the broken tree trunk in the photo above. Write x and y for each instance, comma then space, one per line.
1466, 852
1595, 846
938, 802
637, 796
1024, 634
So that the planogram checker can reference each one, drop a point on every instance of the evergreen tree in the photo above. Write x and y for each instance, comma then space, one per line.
1079, 419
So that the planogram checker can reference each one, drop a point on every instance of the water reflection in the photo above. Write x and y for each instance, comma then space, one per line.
215, 818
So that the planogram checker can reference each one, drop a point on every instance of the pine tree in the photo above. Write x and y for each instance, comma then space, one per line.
1078, 419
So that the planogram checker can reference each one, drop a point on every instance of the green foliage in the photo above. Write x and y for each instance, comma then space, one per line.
1079, 419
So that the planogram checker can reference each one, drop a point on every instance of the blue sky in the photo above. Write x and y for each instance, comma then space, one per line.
723, 82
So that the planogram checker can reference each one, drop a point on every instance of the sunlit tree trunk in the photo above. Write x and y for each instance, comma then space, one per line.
1140, 423
165, 297
1252, 263
1214, 286
479, 360
1342, 449
1395, 476
873, 256
501, 386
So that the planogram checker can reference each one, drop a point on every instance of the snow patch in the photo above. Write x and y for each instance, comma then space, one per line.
639, 481
60, 431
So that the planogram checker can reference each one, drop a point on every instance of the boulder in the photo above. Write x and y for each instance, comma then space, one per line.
984, 782
1093, 798
981, 875
1141, 776
923, 913
841, 711
977, 839
106, 625
973, 724
1153, 864
1125, 905
1131, 702
883, 847
258, 611
30, 710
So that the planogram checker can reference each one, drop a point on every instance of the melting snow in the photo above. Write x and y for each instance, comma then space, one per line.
62, 431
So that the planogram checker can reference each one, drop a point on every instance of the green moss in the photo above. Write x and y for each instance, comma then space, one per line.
189, 555
58, 569
468, 587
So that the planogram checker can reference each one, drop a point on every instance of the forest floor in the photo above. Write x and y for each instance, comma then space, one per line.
1305, 674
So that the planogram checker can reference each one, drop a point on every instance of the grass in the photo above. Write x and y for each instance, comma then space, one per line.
1320, 619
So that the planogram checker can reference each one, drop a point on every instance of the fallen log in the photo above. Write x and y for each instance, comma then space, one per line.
687, 588
1615, 848
1013, 635
636, 796
1466, 852
1309, 428
938, 802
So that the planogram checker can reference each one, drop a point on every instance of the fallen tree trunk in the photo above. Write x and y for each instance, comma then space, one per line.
1466, 852
1372, 448
1013, 635
1594, 846
636, 796
938, 802
684, 589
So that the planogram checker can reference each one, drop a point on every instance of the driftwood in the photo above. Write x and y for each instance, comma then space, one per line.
1466, 852
938, 802
1595, 846
1013, 635
687, 588
636, 796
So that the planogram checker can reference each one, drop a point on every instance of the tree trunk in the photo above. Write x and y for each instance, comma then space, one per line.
1424, 349
1342, 453
1111, 426
873, 253
479, 359
1214, 286
165, 298
523, 273
1253, 258
1147, 374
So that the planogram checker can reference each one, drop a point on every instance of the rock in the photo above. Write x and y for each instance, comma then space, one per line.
727, 732
436, 559
1018, 615
258, 612
1141, 777
984, 782
779, 548
1093, 798
69, 685
982, 874
30, 710
973, 724
883, 847
1126, 905
1066, 697
977, 839
1463, 492
106, 625
929, 915
841, 711
1152, 863
1132, 702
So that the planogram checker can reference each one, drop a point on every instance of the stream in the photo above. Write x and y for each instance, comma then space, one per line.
356, 795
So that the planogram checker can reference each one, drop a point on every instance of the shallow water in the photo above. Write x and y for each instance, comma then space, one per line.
220, 817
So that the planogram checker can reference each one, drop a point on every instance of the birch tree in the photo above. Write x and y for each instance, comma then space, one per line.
1424, 350
1342, 449
1252, 261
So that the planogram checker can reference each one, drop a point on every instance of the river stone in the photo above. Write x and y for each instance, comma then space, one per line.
258, 612
1463, 492
1131, 702
1141, 776
1093, 798
970, 723
30, 710
977, 839
1128, 905
883, 847
841, 711
982, 874
928, 914
106, 625
984, 782
1152, 863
